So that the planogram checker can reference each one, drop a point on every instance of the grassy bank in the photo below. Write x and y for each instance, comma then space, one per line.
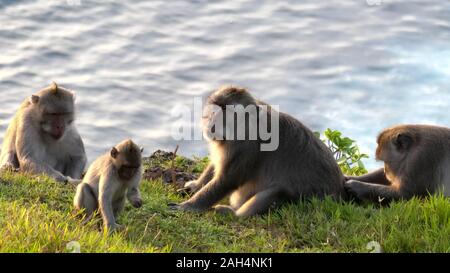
36, 216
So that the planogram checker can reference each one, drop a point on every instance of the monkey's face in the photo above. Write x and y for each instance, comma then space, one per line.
213, 121
55, 112
128, 159
55, 124
393, 147
227, 113
126, 172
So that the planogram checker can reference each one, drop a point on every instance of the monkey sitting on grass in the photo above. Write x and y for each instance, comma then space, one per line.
111, 179
256, 175
42, 137
416, 163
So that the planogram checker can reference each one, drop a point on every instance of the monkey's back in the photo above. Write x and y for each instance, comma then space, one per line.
429, 163
304, 163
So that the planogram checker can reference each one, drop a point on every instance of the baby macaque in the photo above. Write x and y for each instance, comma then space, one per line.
109, 180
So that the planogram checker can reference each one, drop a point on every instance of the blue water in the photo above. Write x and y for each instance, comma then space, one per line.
356, 65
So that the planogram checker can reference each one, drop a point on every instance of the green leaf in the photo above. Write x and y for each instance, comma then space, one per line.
345, 151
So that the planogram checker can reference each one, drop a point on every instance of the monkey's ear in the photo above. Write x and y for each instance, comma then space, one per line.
114, 152
34, 99
403, 141
142, 149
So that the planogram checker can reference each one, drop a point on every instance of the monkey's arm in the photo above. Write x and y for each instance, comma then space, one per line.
134, 196
29, 163
373, 192
196, 185
29, 158
232, 174
375, 177
215, 190
106, 193
77, 156
207, 196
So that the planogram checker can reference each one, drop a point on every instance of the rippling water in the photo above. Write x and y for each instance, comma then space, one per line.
355, 65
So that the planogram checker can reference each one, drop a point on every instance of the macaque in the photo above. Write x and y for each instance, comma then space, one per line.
110, 180
42, 137
416, 163
301, 166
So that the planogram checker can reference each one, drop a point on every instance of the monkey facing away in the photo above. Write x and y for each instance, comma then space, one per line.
42, 137
416, 163
301, 166
111, 179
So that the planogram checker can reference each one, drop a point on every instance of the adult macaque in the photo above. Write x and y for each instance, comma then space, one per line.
42, 137
416, 163
111, 179
301, 165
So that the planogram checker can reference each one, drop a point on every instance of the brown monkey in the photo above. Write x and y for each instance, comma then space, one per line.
42, 137
416, 163
301, 165
110, 179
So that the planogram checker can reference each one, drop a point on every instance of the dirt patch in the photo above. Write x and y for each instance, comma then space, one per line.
161, 164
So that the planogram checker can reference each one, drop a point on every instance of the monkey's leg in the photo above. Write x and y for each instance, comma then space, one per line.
237, 199
85, 199
33, 166
196, 185
210, 194
375, 177
108, 188
224, 209
259, 203
372, 192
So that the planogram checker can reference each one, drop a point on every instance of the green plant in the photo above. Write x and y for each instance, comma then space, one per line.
345, 151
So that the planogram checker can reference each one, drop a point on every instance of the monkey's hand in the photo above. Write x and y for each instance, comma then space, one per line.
185, 206
111, 227
74, 182
356, 189
137, 203
190, 188
347, 178
9, 167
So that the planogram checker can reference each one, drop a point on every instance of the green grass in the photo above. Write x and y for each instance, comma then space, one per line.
36, 216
